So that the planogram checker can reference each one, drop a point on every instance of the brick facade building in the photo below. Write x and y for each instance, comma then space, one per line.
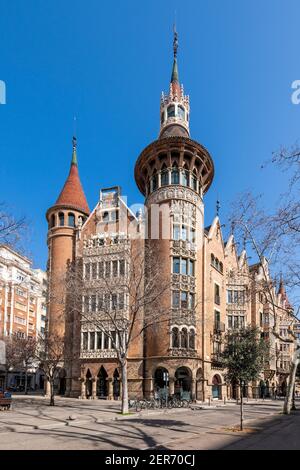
211, 286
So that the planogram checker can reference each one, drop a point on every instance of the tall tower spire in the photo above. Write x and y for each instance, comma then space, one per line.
174, 107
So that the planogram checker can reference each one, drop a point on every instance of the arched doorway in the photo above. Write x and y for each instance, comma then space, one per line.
183, 383
199, 384
161, 383
102, 391
116, 384
216, 387
88, 384
62, 382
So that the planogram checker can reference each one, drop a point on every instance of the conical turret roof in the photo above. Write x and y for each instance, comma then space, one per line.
72, 194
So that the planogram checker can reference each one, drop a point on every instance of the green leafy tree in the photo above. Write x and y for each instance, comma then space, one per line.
244, 356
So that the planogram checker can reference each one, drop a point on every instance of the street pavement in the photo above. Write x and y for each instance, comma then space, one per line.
96, 424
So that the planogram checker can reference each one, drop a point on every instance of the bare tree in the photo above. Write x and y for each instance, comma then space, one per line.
50, 355
128, 304
11, 228
12, 359
267, 243
25, 350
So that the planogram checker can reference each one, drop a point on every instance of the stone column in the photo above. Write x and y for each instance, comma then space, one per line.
83, 391
94, 388
109, 389
171, 385
193, 390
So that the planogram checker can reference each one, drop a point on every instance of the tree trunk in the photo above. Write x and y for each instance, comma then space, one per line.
26, 382
124, 386
51, 393
289, 396
242, 407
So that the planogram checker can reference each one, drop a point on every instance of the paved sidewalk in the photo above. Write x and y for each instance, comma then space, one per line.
96, 424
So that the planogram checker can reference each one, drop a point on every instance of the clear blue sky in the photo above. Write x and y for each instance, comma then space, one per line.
107, 63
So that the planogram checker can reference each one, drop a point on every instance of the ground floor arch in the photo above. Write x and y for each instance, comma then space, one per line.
217, 386
102, 383
161, 382
183, 383
88, 384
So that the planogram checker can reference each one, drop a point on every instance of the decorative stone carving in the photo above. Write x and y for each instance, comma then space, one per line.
103, 353
175, 192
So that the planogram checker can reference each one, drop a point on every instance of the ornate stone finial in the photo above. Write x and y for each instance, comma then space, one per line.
218, 205
74, 153
175, 42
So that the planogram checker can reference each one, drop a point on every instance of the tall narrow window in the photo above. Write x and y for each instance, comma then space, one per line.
93, 303
94, 270
61, 218
176, 232
121, 301
164, 177
101, 269
217, 294
192, 339
184, 266
191, 267
154, 182
175, 299
122, 267
52, 221
106, 341
181, 112
171, 111
184, 232
176, 265
99, 340
71, 219
185, 178
114, 301
184, 338
115, 268
191, 300
107, 269
184, 301
92, 340
175, 175
175, 338
85, 340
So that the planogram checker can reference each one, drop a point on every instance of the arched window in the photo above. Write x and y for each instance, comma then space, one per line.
61, 218
105, 216
171, 111
212, 259
175, 175
192, 339
175, 338
164, 176
181, 112
184, 338
71, 219
221, 267
52, 221
185, 177
194, 181
154, 181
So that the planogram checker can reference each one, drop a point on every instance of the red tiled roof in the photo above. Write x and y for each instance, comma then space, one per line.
72, 193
